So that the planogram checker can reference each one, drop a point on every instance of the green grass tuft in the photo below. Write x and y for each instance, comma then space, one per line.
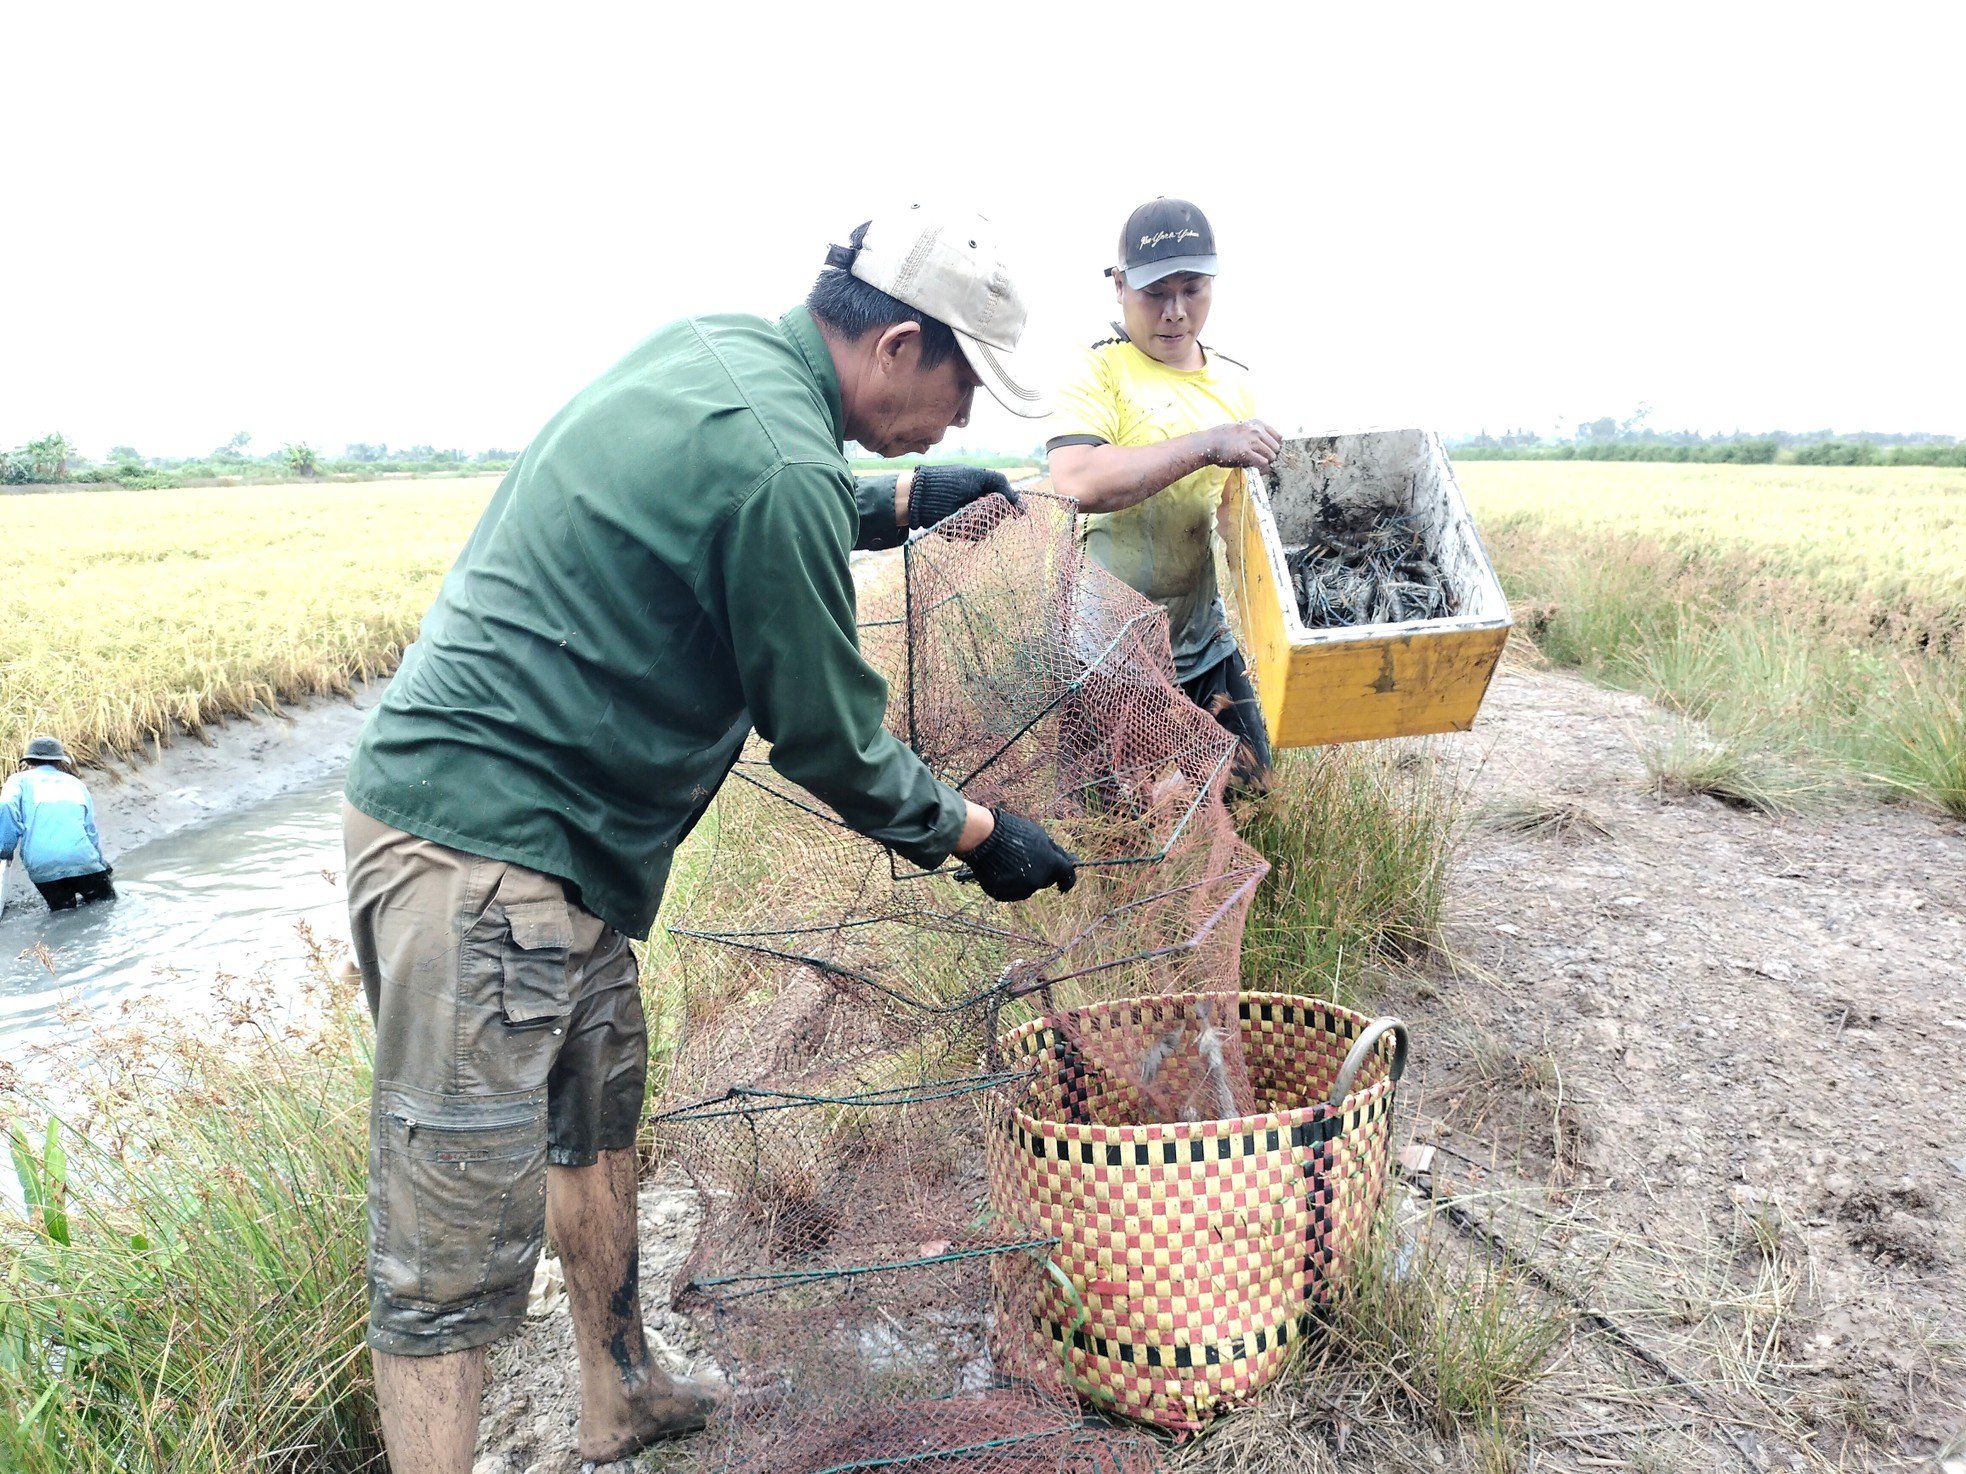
1432, 1342
1467, 1334
1735, 770
1924, 748
1359, 840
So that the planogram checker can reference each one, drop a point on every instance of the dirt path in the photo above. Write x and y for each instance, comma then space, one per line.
1703, 1067
1717, 1058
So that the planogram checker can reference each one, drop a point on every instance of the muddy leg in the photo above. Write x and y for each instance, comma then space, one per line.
429, 1407
625, 1403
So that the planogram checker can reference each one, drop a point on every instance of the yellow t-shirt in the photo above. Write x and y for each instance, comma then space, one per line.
1165, 546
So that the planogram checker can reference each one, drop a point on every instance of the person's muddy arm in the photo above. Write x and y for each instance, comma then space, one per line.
89, 826
10, 819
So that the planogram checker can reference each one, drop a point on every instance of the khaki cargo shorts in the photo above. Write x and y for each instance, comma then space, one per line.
509, 1034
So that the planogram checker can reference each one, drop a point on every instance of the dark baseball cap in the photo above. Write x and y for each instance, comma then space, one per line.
1163, 237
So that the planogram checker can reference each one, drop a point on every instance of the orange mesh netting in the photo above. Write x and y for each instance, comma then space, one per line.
837, 1057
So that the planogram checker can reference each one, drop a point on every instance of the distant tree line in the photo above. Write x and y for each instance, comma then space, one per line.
54, 460
1610, 439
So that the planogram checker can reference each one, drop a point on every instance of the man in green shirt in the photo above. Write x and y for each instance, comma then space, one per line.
663, 570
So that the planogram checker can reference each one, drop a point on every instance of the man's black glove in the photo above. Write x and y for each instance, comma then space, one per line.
1018, 860
942, 491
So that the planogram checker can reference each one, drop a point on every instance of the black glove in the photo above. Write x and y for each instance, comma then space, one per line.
942, 491
1018, 860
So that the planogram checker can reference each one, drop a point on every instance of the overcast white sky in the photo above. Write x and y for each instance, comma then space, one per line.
434, 223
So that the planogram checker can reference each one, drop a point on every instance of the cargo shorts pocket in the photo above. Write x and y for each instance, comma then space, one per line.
536, 971
458, 1197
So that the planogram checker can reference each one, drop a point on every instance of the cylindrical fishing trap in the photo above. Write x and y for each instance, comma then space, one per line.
844, 1045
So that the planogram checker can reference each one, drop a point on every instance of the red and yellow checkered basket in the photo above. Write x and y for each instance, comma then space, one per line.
1190, 1255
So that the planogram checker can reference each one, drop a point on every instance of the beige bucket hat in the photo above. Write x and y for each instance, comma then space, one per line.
947, 265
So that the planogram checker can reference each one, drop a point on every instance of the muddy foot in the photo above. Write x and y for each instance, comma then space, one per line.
668, 1409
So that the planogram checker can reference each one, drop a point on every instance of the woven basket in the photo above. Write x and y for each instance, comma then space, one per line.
1190, 1255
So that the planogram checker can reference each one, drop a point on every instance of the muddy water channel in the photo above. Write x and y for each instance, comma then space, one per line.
221, 897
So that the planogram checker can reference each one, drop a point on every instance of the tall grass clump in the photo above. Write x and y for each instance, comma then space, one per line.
1359, 840
1466, 1331
133, 616
185, 1290
1734, 769
1923, 749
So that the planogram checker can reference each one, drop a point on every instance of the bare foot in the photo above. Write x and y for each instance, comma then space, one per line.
660, 1407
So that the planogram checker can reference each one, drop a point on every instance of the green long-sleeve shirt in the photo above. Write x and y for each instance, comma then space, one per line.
664, 569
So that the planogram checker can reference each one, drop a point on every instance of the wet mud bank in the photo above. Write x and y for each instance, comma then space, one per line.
237, 764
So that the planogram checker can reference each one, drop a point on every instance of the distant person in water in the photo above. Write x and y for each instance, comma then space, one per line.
47, 815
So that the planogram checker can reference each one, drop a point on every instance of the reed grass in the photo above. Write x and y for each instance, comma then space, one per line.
185, 1293
134, 616
1814, 618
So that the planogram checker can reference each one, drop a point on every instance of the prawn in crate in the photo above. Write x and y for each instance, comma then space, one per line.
1369, 607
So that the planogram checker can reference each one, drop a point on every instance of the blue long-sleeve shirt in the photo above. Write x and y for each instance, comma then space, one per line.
48, 816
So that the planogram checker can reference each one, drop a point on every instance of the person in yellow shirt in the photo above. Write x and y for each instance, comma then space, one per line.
1144, 435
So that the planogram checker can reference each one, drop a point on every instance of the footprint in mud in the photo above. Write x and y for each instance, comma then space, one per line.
1882, 1227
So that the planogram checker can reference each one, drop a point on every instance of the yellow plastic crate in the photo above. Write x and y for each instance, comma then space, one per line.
1319, 686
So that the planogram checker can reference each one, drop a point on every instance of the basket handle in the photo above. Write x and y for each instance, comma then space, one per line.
1361, 1051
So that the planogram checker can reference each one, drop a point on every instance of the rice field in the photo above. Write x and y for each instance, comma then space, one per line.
134, 615
1898, 528
1813, 617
